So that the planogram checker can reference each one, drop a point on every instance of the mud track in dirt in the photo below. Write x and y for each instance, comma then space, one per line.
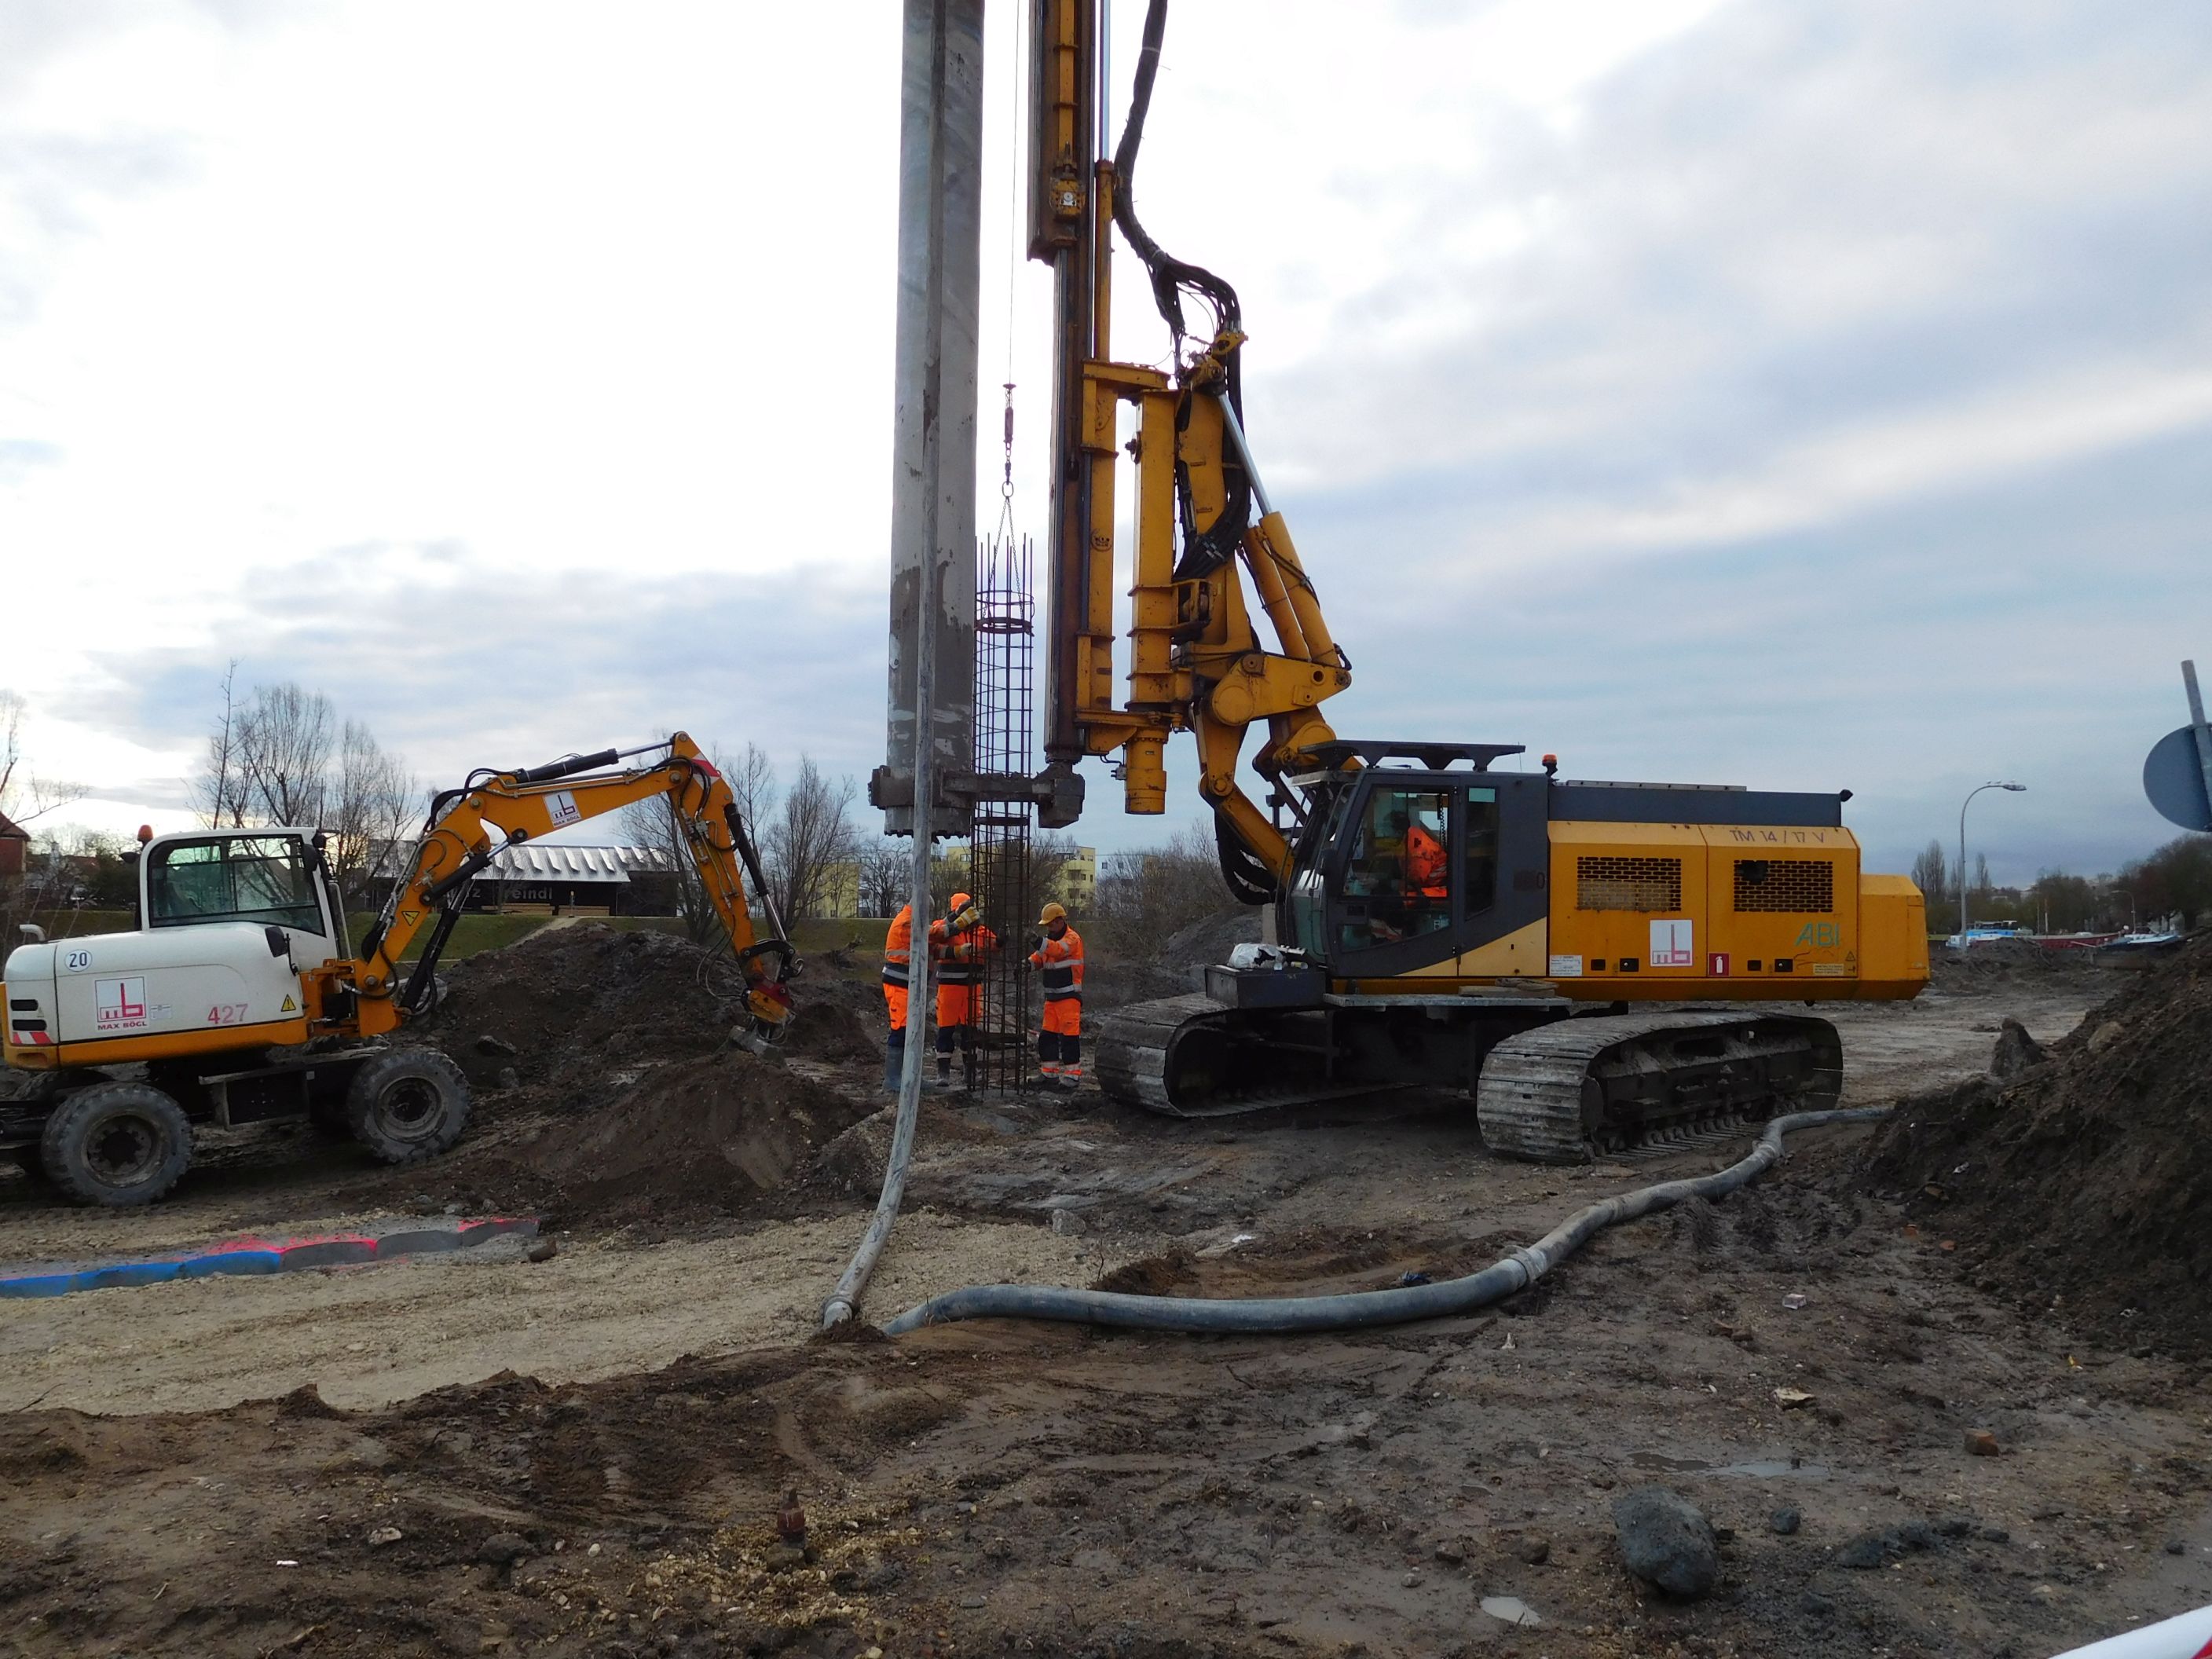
995, 1488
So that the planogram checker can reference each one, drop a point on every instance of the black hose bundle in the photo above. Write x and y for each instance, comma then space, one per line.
1288, 1314
1204, 550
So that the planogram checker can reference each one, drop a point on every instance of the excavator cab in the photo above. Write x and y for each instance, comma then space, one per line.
270, 877
1435, 868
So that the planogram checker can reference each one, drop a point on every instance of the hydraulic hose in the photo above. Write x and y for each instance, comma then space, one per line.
1355, 1309
846, 1298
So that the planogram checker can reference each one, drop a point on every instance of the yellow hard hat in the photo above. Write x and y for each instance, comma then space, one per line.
1049, 915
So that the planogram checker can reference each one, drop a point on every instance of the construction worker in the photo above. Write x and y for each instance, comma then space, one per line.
898, 955
1426, 877
959, 944
1058, 957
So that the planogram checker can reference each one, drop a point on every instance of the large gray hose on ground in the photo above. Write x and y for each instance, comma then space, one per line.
1358, 1307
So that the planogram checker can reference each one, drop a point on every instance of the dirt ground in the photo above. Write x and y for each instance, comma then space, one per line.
585, 1456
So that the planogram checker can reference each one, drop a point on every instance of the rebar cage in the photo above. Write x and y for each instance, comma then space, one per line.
1000, 859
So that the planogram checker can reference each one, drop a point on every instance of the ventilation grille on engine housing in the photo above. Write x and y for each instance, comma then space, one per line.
1799, 886
1620, 884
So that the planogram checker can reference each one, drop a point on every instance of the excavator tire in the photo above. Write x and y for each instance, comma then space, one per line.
1603, 1087
117, 1145
408, 1103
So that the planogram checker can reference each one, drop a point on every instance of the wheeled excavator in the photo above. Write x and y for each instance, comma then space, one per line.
1434, 917
244, 1000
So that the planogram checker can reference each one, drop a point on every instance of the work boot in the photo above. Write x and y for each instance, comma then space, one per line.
944, 1071
894, 1063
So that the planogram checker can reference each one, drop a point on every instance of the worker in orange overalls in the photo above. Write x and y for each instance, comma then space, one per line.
1059, 958
959, 945
1427, 880
898, 954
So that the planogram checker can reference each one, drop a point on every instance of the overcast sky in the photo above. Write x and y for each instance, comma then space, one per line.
1806, 395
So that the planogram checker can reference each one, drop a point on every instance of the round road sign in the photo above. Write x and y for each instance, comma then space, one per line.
2174, 778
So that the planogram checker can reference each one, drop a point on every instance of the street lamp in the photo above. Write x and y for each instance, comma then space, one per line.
2016, 788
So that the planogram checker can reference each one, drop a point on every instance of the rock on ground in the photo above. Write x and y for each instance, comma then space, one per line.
1666, 1540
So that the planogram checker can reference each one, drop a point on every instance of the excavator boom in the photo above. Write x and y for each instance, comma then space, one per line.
534, 801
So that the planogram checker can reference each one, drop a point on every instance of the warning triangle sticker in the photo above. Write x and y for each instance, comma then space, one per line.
290, 1007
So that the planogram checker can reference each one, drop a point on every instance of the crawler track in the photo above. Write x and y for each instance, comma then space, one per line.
1565, 1093
1188, 1056
1585, 1088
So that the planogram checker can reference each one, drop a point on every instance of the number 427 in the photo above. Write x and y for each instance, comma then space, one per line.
227, 1013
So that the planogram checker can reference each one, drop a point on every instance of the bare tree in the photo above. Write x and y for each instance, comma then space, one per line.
11, 745
1931, 874
886, 873
369, 809
751, 778
1145, 898
1932, 870
809, 837
219, 792
655, 826
24, 795
1048, 860
284, 740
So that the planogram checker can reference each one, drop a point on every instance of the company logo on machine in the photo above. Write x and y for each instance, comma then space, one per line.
1672, 945
1815, 934
119, 1005
560, 807
1716, 964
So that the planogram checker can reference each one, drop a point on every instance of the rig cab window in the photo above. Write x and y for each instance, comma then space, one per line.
1401, 863
1479, 863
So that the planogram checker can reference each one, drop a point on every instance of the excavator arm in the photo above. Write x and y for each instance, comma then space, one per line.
374, 993
1208, 542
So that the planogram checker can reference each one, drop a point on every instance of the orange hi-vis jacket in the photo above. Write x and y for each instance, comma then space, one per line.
1060, 961
1424, 865
960, 959
898, 955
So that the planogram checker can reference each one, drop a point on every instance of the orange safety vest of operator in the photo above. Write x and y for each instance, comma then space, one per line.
1060, 961
898, 955
1424, 865
960, 960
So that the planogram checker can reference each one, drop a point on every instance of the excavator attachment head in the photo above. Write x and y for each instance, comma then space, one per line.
769, 967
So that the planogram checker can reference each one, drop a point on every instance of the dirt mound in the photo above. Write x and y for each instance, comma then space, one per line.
2085, 1176
701, 1136
1997, 961
568, 1006
1193, 949
837, 1020
576, 1002
1112, 980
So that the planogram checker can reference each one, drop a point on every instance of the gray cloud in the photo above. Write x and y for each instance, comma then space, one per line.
483, 667
1790, 221
1810, 407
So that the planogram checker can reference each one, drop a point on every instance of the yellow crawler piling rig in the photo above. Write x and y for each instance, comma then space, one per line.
1432, 916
